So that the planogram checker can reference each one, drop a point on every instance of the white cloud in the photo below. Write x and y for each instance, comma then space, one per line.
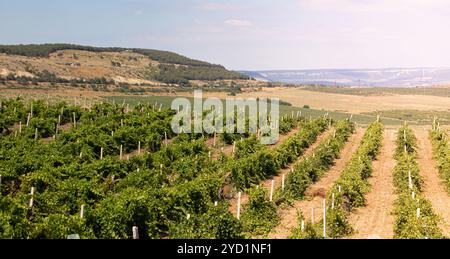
238, 23
219, 7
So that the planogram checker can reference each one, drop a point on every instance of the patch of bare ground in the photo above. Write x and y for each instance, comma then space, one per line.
278, 178
375, 220
289, 215
434, 189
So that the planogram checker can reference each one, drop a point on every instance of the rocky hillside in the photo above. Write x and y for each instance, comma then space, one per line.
74, 64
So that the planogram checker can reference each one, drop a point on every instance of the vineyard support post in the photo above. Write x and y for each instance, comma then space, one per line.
31, 200
271, 191
36, 134
165, 138
135, 233
82, 211
418, 213
121, 152
101, 153
332, 201
282, 182
74, 120
139, 148
410, 184
239, 206
324, 219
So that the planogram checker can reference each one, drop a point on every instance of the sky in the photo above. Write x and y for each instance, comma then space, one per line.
246, 34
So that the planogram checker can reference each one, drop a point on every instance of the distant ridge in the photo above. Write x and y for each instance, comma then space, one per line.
403, 77
69, 63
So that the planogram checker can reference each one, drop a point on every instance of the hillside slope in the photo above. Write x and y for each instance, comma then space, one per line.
67, 63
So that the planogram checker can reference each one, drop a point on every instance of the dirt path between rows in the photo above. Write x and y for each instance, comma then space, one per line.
278, 178
289, 215
375, 220
434, 189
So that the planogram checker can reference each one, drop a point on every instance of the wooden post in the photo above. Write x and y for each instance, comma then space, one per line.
239, 206
36, 134
215, 204
74, 120
160, 168
234, 147
324, 218
340, 189
82, 211
121, 152
31, 110
81, 154
101, 153
303, 226
165, 138
214, 140
271, 191
139, 148
135, 233
282, 182
418, 212
59, 119
209, 154
413, 195
20, 126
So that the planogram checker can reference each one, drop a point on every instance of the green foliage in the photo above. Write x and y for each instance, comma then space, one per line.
313, 167
408, 225
352, 185
260, 215
216, 223
441, 152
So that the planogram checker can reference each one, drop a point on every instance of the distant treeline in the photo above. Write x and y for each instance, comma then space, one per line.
181, 75
47, 77
188, 69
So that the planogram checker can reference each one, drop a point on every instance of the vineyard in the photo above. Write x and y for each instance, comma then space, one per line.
117, 171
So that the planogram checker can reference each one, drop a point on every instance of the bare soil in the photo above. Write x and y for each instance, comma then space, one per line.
289, 216
375, 220
278, 178
434, 189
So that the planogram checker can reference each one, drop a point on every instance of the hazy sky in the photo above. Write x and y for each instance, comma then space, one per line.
246, 34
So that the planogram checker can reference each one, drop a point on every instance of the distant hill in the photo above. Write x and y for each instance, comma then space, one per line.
404, 77
76, 63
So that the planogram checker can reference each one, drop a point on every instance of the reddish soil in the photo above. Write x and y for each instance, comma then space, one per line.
375, 220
